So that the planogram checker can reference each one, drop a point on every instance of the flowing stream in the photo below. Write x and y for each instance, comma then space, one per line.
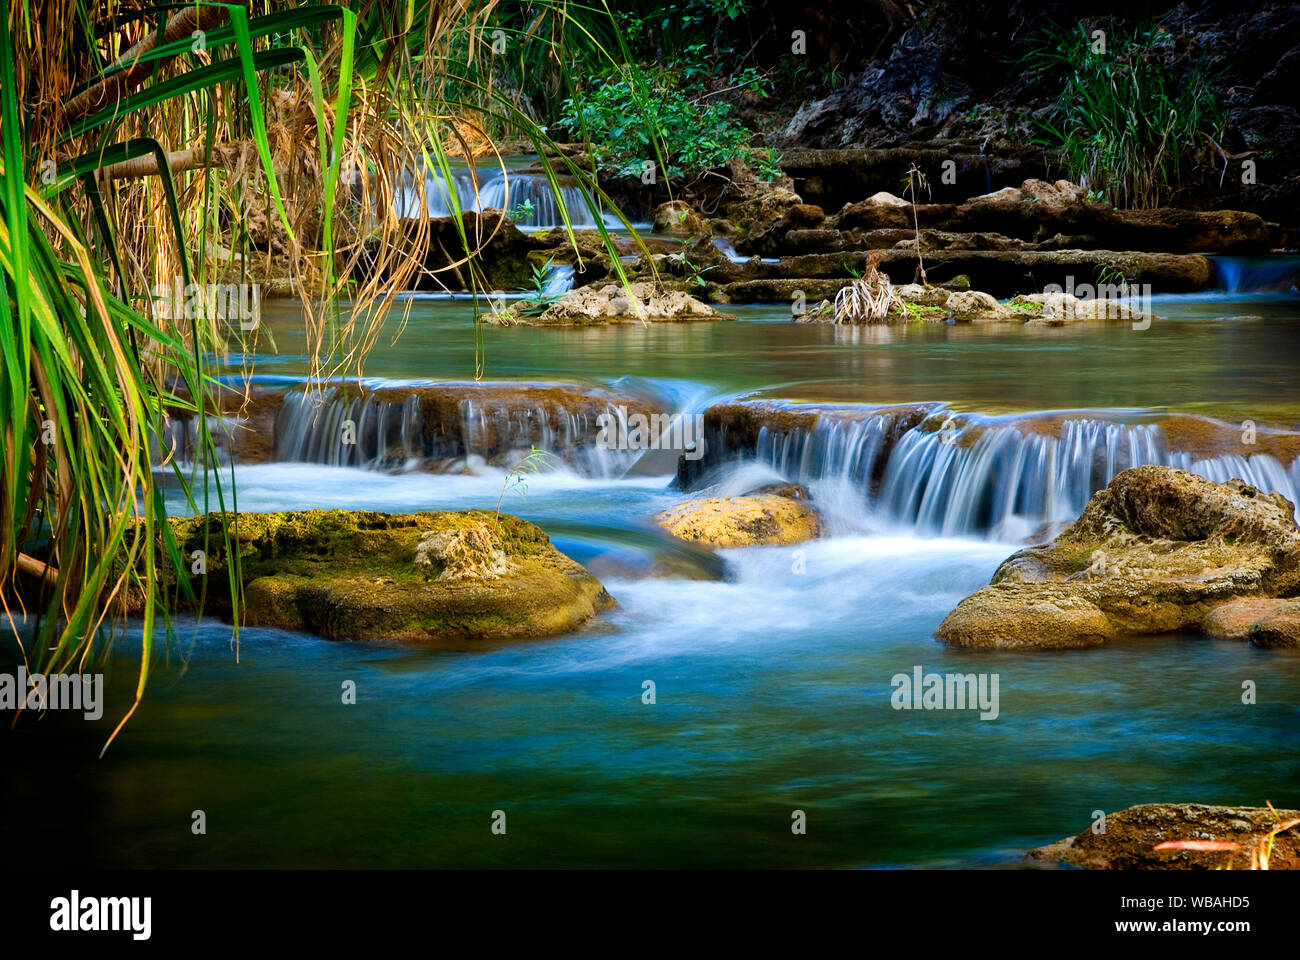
772, 666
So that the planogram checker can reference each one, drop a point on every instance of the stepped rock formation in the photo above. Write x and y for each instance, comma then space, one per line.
947, 472
437, 428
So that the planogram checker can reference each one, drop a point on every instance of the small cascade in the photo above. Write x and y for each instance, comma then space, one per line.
846, 451
438, 194
996, 478
559, 280
1005, 482
441, 432
728, 250
510, 192
1276, 274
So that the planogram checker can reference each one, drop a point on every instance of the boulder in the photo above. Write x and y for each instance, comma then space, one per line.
642, 302
974, 306
1266, 622
1132, 835
1155, 552
437, 578
762, 519
676, 218
769, 237
1061, 308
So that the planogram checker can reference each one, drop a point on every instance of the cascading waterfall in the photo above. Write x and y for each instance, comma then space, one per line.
401, 433
511, 192
438, 194
1006, 482
982, 479
559, 280
1273, 274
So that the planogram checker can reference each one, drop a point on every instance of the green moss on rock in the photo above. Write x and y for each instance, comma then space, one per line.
351, 575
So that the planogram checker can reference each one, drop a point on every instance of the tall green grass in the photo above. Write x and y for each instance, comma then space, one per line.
92, 373
1125, 124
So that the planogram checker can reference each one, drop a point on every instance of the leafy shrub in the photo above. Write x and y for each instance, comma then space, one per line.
644, 114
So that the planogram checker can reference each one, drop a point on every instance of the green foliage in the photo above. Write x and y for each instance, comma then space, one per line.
522, 211
643, 114
538, 299
670, 32
693, 271
1125, 125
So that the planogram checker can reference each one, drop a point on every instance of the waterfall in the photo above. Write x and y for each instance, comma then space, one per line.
441, 432
513, 191
1008, 483
438, 194
559, 280
503, 191
1004, 480
1276, 274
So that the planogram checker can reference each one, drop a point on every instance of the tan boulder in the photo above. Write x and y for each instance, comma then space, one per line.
766, 519
1155, 552
676, 219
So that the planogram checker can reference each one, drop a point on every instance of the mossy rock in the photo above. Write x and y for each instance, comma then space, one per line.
352, 575
1131, 837
1156, 552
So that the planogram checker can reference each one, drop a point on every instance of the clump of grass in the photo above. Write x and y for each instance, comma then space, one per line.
1125, 126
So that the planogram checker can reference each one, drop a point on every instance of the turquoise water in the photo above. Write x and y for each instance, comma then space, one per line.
772, 683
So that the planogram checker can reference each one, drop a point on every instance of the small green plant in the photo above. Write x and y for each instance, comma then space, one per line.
692, 271
1110, 275
522, 212
538, 299
517, 476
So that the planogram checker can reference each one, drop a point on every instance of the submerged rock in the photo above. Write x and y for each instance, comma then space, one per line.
763, 519
1155, 552
614, 303
364, 575
1132, 835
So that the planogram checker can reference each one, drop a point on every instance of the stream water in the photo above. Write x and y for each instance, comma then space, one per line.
772, 682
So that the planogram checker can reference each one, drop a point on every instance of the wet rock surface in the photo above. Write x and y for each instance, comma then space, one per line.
438, 578
756, 520
1132, 835
613, 303
1154, 553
